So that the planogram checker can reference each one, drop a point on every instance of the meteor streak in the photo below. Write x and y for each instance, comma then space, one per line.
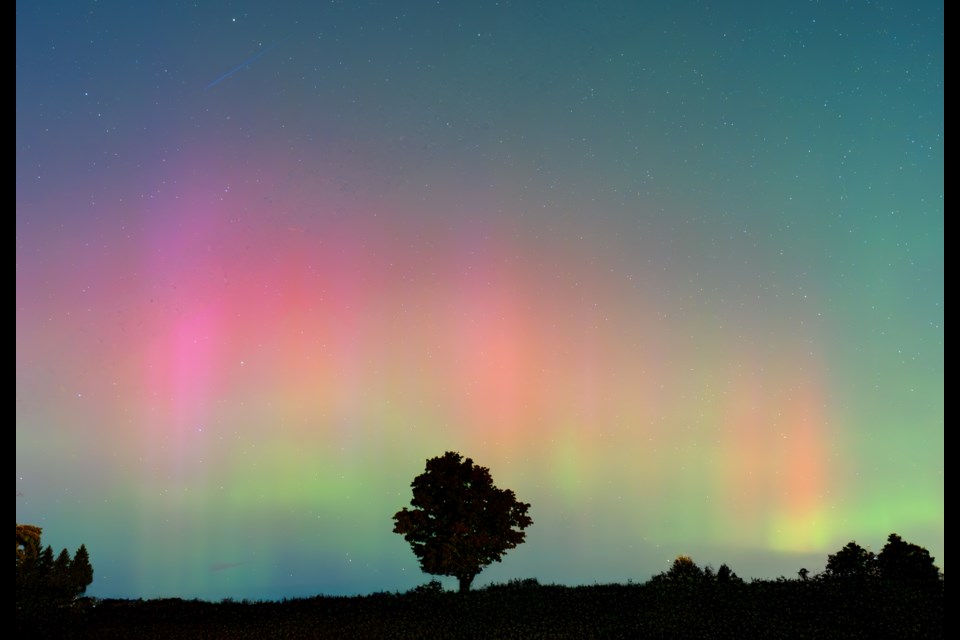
243, 64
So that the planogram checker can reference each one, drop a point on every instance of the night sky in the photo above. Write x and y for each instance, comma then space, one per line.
673, 271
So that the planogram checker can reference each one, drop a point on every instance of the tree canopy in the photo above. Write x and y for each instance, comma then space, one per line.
28, 542
853, 561
901, 560
460, 522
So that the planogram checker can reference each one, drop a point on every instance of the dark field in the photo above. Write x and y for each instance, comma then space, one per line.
525, 609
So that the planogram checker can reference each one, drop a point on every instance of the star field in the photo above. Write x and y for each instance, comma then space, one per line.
673, 271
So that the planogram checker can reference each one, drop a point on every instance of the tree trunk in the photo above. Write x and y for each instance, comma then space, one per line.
466, 579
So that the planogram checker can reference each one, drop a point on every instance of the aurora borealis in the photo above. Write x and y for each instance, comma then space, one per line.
673, 271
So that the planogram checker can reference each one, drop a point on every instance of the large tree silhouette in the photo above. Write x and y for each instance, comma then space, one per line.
460, 522
901, 560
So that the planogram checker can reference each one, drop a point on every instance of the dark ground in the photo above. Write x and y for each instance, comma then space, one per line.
524, 609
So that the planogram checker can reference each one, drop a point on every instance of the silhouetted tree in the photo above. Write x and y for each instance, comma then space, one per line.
900, 560
33, 562
461, 522
45, 562
684, 569
81, 571
725, 575
28, 542
58, 578
853, 561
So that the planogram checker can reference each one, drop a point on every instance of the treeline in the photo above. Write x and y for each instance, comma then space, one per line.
44, 581
896, 593
898, 562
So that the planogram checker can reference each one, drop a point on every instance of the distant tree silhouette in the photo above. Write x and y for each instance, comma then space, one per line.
684, 569
900, 560
81, 571
45, 562
460, 522
58, 578
725, 575
853, 561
